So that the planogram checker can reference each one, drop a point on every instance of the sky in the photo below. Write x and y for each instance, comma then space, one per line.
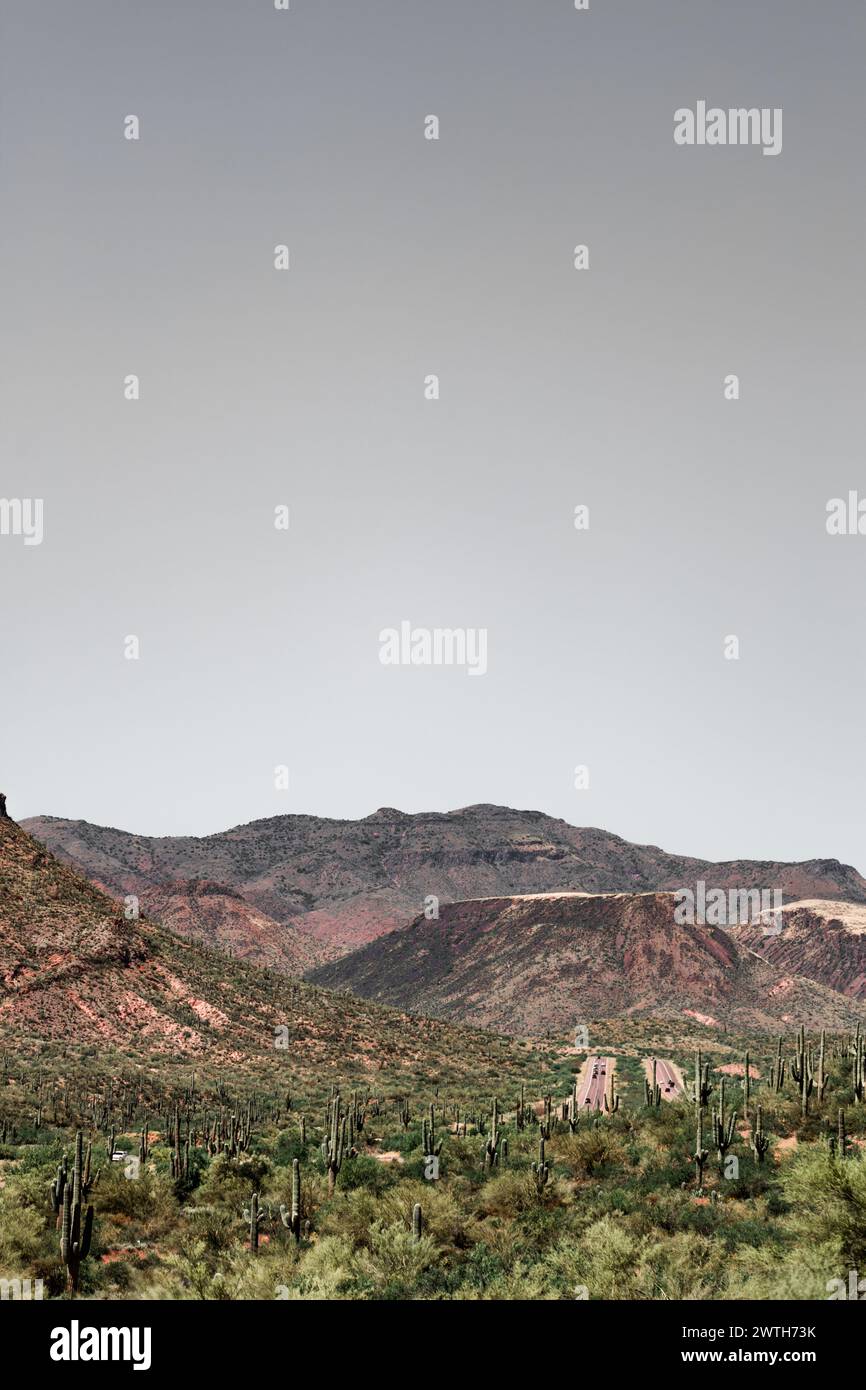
258, 686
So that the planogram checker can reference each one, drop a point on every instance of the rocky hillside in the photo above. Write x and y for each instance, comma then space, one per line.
527, 964
294, 891
824, 940
75, 971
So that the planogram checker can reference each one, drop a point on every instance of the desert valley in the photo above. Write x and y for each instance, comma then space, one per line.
470, 1055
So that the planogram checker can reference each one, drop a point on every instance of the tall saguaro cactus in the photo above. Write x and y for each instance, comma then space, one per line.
858, 1066
821, 1077
700, 1154
492, 1147
292, 1220
842, 1136
428, 1134
573, 1113
335, 1146
801, 1071
611, 1099
540, 1170
652, 1089
255, 1217
57, 1189
702, 1087
75, 1234
520, 1117
723, 1133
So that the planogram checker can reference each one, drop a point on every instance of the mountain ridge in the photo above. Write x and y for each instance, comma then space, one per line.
300, 890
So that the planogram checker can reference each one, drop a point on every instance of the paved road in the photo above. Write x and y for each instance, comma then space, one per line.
591, 1094
666, 1078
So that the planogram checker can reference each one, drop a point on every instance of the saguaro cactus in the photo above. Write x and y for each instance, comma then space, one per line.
821, 1077
858, 1066
546, 1123
760, 1142
573, 1109
334, 1146
75, 1236
611, 1099
653, 1090
702, 1087
842, 1136
58, 1187
540, 1170
492, 1147
255, 1217
428, 1136
700, 1154
292, 1220
801, 1070
723, 1134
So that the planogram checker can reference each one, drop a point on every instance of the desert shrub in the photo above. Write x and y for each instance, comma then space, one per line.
216, 1227
146, 1203
589, 1152
604, 1260
801, 1271
389, 1265
828, 1197
365, 1172
231, 1181
509, 1193
684, 1266
324, 1271
22, 1231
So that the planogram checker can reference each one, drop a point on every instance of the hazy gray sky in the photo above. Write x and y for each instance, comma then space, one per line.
558, 387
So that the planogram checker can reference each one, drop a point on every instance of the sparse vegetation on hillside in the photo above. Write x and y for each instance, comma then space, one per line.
206, 1188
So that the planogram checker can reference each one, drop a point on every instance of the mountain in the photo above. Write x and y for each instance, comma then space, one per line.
75, 971
524, 964
296, 891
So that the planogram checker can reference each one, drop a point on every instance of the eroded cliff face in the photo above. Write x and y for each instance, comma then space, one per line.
823, 940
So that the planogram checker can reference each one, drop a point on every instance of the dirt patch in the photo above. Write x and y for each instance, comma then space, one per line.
739, 1069
784, 1146
706, 1019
